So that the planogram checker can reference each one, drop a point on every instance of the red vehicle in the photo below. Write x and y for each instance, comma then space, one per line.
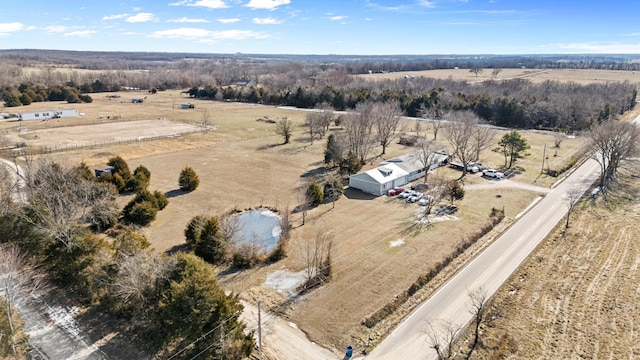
395, 191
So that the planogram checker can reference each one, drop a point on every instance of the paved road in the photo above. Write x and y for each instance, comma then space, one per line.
488, 271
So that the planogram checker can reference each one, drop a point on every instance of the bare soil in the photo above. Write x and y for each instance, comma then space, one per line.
577, 295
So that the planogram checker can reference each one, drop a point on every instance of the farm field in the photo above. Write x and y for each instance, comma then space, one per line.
576, 296
242, 164
535, 75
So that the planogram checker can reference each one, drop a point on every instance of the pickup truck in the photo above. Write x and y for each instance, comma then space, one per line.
470, 167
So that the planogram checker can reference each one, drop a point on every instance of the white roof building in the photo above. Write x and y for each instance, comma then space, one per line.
377, 181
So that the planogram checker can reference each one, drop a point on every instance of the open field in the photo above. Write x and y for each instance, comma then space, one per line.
534, 75
243, 165
577, 295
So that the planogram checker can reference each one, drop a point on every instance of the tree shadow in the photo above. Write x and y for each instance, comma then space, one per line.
268, 146
175, 193
177, 249
314, 173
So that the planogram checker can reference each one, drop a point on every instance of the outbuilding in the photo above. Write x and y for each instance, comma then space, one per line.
188, 106
377, 181
47, 114
104, 170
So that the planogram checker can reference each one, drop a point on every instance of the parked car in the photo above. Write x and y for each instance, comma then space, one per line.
425, 200
470, 168
415, 197
405, 194
395, 191
492, 173
478, 165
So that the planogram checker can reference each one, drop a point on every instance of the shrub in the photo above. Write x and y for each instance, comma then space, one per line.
332, 190
193, 229
161, 200
142, 213
210, 245
188, 180
141, 178
314, 194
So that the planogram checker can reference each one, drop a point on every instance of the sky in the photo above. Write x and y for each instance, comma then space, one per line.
347, 27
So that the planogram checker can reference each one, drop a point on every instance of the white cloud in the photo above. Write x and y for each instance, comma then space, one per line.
266, 21
603, 48
209, 4
229, 21
266, 4
82, 33
56, 29
427, 3
141, 17
188, 20
6, 28
337, 18
208, 36
115, 16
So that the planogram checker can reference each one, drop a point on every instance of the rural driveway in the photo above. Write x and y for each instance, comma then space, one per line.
488, 272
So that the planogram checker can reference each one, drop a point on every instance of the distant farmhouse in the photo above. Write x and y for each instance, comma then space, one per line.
394, 172
47, 114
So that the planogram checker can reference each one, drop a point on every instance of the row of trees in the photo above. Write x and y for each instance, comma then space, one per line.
26, 94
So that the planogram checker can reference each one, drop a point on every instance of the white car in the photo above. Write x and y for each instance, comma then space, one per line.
425, 200
415, 197
406, 194
492, 173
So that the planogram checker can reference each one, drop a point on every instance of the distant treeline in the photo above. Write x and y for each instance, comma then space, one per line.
514, 103
26, 94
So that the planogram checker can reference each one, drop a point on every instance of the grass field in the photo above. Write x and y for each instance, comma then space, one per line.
243, 164
534, 75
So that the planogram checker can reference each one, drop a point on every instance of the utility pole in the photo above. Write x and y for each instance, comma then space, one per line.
259, 333
544, 154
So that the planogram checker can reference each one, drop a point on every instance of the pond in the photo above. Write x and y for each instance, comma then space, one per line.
260, 227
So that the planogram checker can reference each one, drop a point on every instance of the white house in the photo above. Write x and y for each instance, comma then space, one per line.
377, 181
412, 164
48, 114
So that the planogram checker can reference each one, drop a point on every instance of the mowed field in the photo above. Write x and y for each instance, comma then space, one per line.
534, 75
577, 295
243, 164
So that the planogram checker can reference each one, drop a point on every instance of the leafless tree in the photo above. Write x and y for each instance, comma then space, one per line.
317, 257
443, 338
136, 278
434, 194
314, 125
359, 127
426, 155
284, 127
614, 141
573, 197
476, 70
483, 137
18, 280
477, 308
461, 132
59, 200
495, 72
558, 137
386, 122
437, 113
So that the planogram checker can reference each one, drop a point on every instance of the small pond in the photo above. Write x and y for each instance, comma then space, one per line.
260, 227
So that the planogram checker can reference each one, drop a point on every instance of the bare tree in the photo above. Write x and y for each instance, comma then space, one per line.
558, 137
317, 257
358, 126
59, 200
426, 155
483, 137
443, 338
495, 72
317, 123
434, 194
614, 141
18, 280
437, 113
461, 134
284, 127
387, 123
478, 305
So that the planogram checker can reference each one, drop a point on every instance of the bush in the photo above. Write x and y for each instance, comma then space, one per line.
141, 178
142, 213
332, 190
188, 180
314, 194
210, 245
193, 229
161, 200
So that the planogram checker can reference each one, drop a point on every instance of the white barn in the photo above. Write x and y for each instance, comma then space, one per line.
47, 114
377, 181
412, 164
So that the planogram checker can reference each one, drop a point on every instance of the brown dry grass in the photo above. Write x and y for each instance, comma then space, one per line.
535, 75
243, 165
577, 295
